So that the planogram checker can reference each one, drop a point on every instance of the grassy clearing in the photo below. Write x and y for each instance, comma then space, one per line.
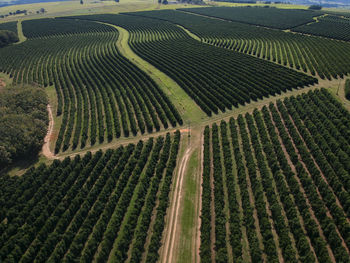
20, 34
337, 90
186, 251
5, 78
188, 109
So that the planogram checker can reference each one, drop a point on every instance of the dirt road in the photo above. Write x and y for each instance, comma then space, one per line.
46, 147
175, 207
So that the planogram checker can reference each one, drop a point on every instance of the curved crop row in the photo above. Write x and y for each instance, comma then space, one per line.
307, 53
101, 95
328, 26
268, 17
217, 81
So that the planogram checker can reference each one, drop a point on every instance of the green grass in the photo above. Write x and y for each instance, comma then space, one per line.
337, 90
21, 36
188, 109
189, 213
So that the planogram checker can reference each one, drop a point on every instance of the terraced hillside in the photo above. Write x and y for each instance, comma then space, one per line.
96, 207
216, 79
101, 94
326, 58
280, 182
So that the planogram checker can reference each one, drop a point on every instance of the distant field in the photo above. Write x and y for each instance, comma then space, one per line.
328, 26
89, 7
280, 184
311, 54
269, 17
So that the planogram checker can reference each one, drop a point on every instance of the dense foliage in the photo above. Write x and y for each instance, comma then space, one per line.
291, 162
23, 123
8, 34
101, 94
9, 26
347, 89
217, 80
268, 17
328, 26
326, 58
7, 38
50, 26
93, 208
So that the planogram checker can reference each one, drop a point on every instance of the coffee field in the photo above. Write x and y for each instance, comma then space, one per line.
281, 183
73, 209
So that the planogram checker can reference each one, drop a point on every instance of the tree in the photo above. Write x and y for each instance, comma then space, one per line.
347, 89
315, 7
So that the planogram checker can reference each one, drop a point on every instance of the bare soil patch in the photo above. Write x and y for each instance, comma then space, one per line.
2, 83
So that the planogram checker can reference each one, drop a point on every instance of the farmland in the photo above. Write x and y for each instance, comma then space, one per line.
328, 26
271, 17
117, 192
171, 50
86, 81
215, 132
280, 183
309, 54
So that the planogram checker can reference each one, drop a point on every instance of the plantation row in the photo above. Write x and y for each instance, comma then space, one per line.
142, 31
101, 95
50, 27
97, 208
347, 89
215, 78
281, 184
268, 17
10, 26
328, 26
324, 57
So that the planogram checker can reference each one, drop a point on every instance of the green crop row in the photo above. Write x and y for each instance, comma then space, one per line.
307, 53
90, 208
291, 162
101, 94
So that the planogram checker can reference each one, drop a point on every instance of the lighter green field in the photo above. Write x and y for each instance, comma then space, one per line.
66, 8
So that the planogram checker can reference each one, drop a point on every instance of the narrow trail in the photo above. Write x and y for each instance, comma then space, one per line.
20, 34
46, 147
199, 223
168, 254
